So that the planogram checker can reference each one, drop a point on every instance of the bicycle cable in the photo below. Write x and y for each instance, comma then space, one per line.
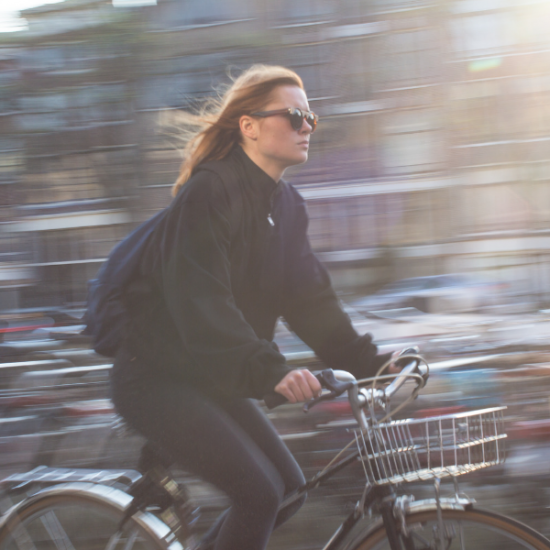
379, 376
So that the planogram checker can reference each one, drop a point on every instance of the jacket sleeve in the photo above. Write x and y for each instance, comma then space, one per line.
223, 349
313, 310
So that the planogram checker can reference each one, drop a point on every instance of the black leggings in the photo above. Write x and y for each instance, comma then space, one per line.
230, 444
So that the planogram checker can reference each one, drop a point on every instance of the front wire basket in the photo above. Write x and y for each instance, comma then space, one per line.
420, 449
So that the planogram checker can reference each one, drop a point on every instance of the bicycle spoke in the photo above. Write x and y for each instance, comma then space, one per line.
113, 541
56, 531
461, 535
416, 540
22, 538
131, 539
415, 536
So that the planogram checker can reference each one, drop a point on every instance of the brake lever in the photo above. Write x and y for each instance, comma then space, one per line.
417, 370
316, 400
328, 381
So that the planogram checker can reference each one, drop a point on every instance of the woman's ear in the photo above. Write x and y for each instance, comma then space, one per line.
249, 127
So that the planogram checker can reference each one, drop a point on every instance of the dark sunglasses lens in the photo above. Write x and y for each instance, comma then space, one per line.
297, 119
312, 121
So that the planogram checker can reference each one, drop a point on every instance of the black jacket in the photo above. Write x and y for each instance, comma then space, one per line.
224, 264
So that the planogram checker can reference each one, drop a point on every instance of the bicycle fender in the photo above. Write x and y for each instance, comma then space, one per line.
101, 494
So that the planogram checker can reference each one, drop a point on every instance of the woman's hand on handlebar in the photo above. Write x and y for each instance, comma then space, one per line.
299, 385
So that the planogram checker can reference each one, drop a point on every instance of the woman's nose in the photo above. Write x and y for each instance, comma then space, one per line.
306, 128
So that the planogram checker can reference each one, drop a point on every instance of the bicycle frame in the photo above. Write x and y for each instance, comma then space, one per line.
371, 495
388, 503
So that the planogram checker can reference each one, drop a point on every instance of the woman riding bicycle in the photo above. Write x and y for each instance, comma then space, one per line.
230, 257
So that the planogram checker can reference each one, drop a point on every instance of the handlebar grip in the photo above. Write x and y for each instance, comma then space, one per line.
274, 399
408, 365
407, 351
328, 381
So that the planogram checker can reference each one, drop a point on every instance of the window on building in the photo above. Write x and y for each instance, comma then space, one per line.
407, 58
412, 142
304, 12
202, 12
498, 207
485, 33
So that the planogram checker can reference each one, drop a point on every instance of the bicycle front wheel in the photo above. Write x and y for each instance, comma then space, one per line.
462, 530
81, 518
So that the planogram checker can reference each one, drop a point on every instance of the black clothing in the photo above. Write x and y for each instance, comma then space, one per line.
230, 444
224, 264
229, 258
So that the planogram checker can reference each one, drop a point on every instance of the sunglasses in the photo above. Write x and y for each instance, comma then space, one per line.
296, 117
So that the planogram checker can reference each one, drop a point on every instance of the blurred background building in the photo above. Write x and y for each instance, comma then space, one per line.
432, 155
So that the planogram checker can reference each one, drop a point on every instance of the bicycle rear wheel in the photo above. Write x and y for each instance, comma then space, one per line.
80, 517
462, 530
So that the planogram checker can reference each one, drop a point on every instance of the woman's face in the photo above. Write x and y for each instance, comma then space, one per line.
277, 141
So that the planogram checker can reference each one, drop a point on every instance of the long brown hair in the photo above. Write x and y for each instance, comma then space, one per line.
212, 133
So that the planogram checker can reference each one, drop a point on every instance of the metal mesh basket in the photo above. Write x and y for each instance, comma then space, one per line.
420, 449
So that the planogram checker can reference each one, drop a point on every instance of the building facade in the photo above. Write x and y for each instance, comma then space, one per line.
432, 155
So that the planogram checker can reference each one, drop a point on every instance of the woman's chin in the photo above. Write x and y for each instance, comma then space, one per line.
300, 158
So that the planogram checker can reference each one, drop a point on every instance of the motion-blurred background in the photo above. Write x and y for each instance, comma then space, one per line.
432, 156
427, 188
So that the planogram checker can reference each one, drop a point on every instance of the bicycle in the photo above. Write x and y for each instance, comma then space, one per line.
126, 509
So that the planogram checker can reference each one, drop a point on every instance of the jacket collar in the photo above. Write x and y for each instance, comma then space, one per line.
254, 173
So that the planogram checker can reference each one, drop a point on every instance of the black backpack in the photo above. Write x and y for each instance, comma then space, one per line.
106, 312
105, 315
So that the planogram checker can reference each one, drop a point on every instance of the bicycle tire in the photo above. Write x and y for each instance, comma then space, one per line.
484, 531
82, 516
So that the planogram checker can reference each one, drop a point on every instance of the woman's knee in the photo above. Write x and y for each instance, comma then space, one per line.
290, 509
263, 499
294, 480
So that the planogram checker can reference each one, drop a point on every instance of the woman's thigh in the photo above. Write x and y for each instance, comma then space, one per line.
248, 415
202, 438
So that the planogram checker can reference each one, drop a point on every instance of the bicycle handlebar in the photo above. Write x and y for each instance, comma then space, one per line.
409, 368
274, 399
338, 382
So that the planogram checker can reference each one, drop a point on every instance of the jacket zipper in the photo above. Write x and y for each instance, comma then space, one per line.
271, 199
